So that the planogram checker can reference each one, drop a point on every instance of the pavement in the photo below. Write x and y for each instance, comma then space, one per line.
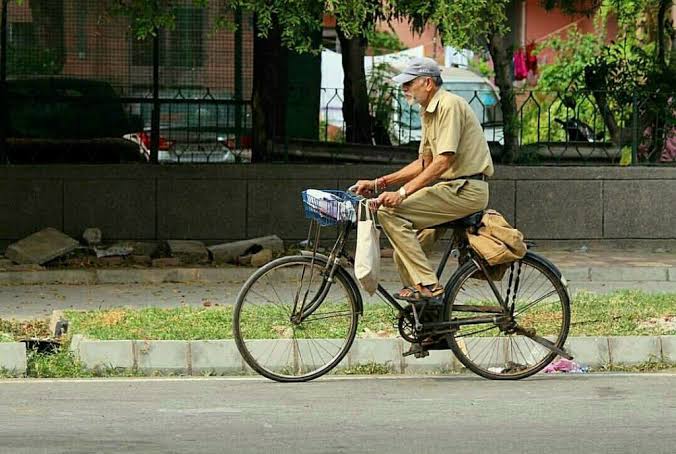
601, 413
31, 294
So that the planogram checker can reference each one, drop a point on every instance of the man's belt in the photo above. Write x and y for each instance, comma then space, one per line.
476, 176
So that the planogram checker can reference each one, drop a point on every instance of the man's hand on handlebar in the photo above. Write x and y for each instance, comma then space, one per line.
366, 188
389, 199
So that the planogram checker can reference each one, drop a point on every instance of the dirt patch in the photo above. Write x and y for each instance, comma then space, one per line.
25, 329
666, 323
113, 317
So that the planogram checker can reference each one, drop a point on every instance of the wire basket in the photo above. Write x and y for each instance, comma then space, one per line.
329, 207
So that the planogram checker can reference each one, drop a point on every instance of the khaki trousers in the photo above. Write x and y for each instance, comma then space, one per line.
408, 225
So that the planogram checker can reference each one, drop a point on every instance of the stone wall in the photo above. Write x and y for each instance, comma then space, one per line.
214, 203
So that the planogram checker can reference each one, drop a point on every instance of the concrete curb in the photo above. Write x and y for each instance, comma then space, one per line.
13, 358
238, 275
222, 356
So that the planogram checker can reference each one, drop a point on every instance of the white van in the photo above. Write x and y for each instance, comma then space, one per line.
479, 92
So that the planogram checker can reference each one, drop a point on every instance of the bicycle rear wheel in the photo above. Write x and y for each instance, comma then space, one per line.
540, 307
283, 342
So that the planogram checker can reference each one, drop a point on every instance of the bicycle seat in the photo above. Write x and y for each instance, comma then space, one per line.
473, 220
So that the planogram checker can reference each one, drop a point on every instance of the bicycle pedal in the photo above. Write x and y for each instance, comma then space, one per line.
427, 302
417, 350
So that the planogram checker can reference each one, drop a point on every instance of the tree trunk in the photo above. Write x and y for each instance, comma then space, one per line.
358, 124
672, 57
661, 25
596, 84
269, 93
48, 21
499, 50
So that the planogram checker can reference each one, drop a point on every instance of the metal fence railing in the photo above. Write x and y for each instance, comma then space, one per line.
79, 86
395, 122
550, 126
76, 85
66, 120
607, 126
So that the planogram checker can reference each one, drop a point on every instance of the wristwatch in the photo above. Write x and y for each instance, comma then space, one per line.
402, 192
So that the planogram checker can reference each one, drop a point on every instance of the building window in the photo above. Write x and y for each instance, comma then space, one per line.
21, 35
182, 47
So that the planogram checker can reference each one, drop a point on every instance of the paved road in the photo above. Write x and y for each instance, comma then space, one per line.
30, 301
619, 413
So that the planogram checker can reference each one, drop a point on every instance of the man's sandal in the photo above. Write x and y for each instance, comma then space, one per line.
406, 293
413, 294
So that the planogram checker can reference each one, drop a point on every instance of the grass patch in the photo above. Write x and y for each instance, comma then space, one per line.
653, 365
11, 330
63, 364
625, 313
186, 323
370, 368
618, 314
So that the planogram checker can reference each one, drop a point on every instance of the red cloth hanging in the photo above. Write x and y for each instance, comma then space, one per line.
520, 68
531, 59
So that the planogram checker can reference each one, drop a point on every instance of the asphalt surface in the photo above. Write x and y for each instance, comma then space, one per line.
618, 413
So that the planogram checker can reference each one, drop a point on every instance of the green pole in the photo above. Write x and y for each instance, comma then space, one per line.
3, 84
238, 78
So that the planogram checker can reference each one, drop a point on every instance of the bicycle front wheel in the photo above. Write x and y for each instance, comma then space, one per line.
512, 347
290, 324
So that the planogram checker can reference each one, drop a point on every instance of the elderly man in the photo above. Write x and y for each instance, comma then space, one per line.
446, 182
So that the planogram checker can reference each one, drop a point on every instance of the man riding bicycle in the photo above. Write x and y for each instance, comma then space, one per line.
446, 182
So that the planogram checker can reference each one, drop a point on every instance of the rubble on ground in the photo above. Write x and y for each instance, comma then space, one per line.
41, 247
53, 249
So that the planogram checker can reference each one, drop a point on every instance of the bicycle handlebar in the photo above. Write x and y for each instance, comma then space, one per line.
373, 202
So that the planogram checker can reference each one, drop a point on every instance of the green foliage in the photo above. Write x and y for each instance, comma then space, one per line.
369, 368
382, 97
462, 23
384, 42
35, 61
622, 66
146, 16
573, 54
626, 69
482, 66
61, 364
563, 78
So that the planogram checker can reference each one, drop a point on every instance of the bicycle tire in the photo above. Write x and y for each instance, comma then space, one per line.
510, 371
353, 304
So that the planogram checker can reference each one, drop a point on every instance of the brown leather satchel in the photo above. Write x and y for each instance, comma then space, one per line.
497, 241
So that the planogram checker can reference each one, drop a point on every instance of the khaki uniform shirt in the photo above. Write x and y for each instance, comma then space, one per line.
449, 125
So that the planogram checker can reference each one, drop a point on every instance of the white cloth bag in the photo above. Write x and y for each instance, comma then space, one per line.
367, 255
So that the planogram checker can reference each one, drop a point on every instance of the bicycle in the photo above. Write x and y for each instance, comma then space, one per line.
296, 318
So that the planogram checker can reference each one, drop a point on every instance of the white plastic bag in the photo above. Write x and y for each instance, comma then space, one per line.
367, 255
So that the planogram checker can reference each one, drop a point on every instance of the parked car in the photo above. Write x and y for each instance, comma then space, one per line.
67, 120
479, 92
199, 127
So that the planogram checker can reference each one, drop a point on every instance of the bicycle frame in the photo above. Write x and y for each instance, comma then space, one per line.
458, 246
458, 243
